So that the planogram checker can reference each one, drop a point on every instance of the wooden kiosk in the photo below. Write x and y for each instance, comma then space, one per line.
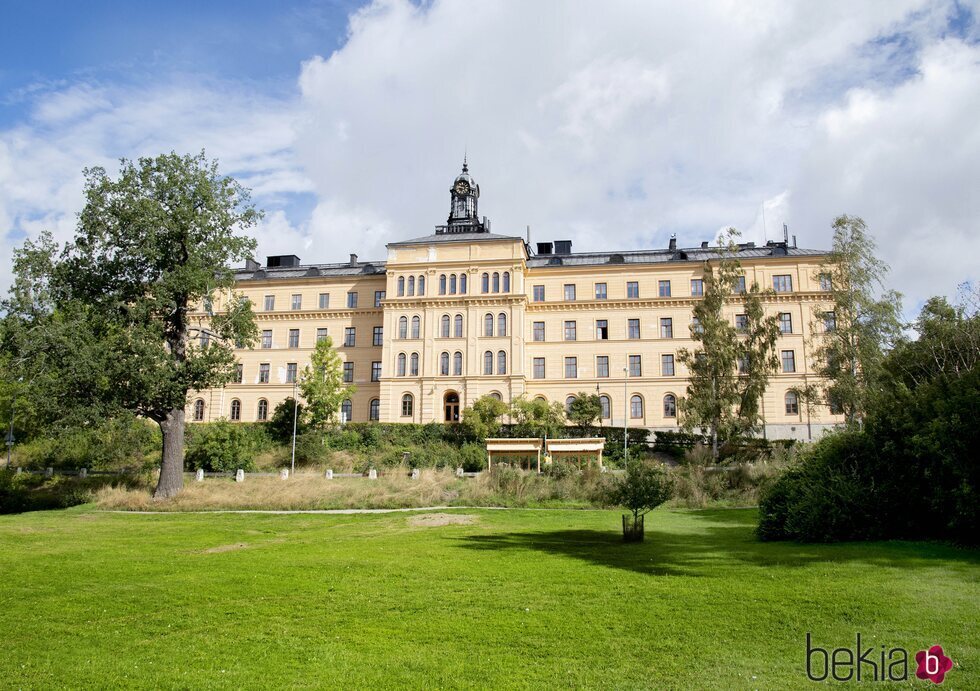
529, 447
590, 447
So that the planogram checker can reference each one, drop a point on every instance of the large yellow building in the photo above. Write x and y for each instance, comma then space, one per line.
464, 312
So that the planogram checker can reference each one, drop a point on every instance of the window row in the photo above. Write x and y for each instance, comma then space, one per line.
408, 287
323, 301
495, 282
636, 406
262, 410
322, 333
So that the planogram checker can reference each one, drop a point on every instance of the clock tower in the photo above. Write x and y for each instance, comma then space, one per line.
463, 217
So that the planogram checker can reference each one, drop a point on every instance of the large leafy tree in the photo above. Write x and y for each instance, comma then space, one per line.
113, 312
863, 318
322, 384
537, 417
482, 419
728, 370
585, 410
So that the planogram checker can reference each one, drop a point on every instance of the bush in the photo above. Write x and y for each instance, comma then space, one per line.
221, 447
280, 425
116, 442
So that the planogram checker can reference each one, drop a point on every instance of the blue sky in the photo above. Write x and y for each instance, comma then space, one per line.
614, 129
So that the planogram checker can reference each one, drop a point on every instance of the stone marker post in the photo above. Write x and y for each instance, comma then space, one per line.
459, 471
82, 473
372, 474
328, 474
415, 473
239, 475
284, 473
199, 475
49, 472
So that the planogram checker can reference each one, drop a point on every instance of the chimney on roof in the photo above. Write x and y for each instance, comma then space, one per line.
794, 241
673, 243
353, 259
251, 265
785, 234
704, 244
529, 236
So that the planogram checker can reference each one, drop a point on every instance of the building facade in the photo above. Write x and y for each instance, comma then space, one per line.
464, 312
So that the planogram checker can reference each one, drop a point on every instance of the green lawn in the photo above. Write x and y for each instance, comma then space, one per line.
518, 598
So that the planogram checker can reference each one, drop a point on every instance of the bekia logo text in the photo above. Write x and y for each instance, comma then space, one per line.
873, 664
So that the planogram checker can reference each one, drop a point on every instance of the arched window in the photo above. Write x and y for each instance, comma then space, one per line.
458, 326
495, 394
501, 324
458, 364
462, 284
421, 285
568, 405
374, 413
346, 410
199, 410
442, 284
606, 407
496, 282
263, 412
792, 403
236, 409
452, 284
444, 364
445, 326
488, 325
670, 405
411, 285
401, 364
506, 281
407, 405
403, 327
401, 286
636, 407
413, 365
485, 283
488, 362
415, 326
501, 362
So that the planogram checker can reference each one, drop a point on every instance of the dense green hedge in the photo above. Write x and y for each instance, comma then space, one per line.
116, 443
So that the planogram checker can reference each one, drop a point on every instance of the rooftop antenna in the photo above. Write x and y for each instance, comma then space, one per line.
765, 231
785, 234
529, 236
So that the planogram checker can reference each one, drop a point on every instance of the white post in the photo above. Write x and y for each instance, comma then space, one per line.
199, 475
626, 412
83, 473
239, 475
372, 474
459, 471
292, 461
283, 473
328, 474
415, 473
49, 472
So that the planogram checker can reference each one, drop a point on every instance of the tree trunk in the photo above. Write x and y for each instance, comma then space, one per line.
172, 465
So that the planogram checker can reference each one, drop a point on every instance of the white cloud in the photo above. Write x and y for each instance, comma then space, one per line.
613, 126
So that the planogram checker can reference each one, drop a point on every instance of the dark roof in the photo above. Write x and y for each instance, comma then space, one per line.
453, 237
312, 271
693, 254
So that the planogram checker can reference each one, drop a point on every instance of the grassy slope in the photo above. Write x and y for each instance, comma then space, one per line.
520, 598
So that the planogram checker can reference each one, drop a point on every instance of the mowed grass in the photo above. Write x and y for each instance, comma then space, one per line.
516, 598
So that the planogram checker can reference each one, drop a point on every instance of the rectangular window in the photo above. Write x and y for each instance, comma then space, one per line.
666, 327
697, 287
633, 328
537, 330
379, 295
270, 303
826, 284
782, 283
664, 290
570, 331
571, 368
239, 373
321, 334
375, 371
633, 290
785, 323
743, 364
351, 300
740, 284
290, 372
264, 373
378, 338
294, 338
297, 302
538, 368
636, 366
789, 361
829, 321
350, 336
667, 365
537, 294
569, 292
348, 372
324, 301
696, 327
267, 338
602, 366
600, 291
742, 323
602, 329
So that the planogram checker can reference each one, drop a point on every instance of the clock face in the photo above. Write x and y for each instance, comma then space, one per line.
462, 187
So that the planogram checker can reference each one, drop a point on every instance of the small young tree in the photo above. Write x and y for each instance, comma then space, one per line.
585, 410
644, 487
280, 425
482, 419
537, 418
862, 320
322, 384
757, 356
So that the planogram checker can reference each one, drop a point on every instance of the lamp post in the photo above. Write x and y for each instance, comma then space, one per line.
626, 414
292, 462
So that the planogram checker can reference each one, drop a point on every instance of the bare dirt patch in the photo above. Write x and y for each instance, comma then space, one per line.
435, 520
225, 548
